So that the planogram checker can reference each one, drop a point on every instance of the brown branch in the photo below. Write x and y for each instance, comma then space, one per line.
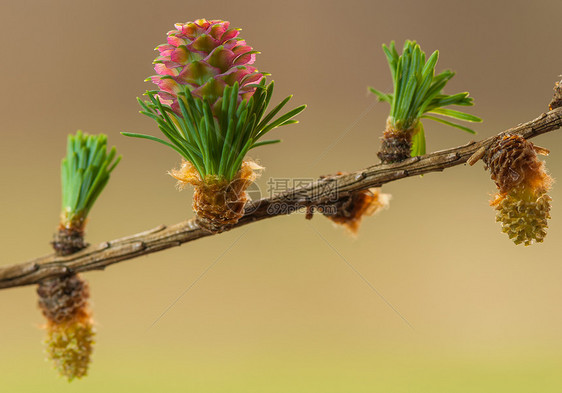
325, 191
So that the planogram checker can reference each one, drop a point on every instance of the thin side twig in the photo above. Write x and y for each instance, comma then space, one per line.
323, 192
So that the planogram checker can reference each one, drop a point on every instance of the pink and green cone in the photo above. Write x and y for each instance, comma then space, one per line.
212, 106
205, 56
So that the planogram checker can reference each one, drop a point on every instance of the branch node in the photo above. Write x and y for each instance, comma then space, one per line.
557, 99
140, 245
452, 157
360, 176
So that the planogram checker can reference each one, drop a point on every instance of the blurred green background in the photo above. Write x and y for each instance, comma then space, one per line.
281, 310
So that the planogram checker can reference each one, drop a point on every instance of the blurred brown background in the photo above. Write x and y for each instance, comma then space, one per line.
281, 311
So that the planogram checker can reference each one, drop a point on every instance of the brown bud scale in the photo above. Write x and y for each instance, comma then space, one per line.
396, 146
218, 203
512, 161
68, 241
62, 298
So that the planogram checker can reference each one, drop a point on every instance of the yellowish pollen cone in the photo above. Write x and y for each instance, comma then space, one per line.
522, 204
70, 332
70, 345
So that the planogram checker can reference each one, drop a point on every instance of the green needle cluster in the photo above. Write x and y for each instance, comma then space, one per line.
418, 94
215, 139
84, 172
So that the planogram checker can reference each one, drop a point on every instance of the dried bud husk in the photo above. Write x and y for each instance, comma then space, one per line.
62, 298
69, 240
70, 332
512, 161
522, 204
217, 202
350, 210
396, 145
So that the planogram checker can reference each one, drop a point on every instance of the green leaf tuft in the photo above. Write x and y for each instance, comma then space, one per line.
215, 139
418, 91
85, 172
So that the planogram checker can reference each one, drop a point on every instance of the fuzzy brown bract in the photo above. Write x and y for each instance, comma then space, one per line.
218, 203
351, 209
